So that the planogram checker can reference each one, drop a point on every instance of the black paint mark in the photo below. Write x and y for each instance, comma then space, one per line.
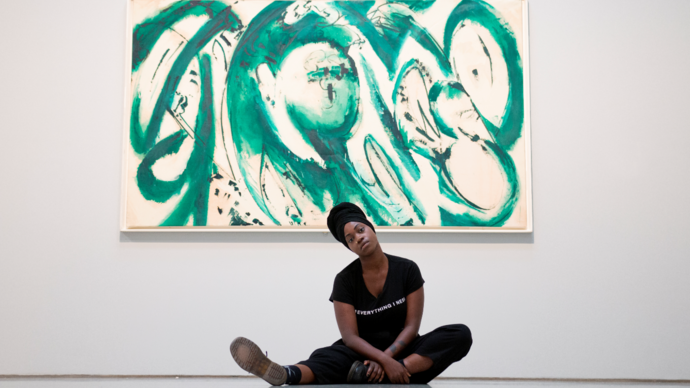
194, 82
192, 72
217, 192
225, 59
426, 121
220, 211
236, 219
409, 118
217, 176
294, 179
256, 221
424, 134
159, 64
273, 61
343, 70
330, 92
226, 40
475, 138
491, 64
182, 103
181, 36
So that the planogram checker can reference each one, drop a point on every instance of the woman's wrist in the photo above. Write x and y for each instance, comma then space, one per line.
382, 358
387, 361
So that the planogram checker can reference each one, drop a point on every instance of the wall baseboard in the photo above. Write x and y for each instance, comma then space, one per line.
568, 380
497, 379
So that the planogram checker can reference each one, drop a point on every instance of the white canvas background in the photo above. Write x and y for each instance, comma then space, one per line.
599, 290
483, 182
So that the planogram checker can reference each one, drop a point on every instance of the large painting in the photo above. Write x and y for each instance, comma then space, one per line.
260, 115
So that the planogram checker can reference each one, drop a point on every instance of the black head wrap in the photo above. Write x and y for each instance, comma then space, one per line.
340, 215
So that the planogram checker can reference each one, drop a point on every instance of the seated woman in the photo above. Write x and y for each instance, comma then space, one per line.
378, 300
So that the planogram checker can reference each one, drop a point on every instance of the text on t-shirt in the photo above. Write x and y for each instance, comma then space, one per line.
382, 308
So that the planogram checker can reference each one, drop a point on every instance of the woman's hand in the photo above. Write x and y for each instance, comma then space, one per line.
396, 372
375, 372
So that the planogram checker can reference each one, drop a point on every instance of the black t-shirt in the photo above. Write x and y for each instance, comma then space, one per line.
379, 320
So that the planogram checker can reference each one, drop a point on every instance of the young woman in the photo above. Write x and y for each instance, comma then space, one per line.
379, 301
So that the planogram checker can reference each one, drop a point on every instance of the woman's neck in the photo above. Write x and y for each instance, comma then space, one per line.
374, 262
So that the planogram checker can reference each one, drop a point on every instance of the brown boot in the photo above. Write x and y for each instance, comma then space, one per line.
250, 358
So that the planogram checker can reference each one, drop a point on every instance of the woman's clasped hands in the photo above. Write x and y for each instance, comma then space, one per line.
396, 372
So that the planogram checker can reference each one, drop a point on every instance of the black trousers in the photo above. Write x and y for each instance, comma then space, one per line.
444, 346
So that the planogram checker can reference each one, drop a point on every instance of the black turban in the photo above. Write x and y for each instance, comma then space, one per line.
340, 215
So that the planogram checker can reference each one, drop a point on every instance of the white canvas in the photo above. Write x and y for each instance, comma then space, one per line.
259, 115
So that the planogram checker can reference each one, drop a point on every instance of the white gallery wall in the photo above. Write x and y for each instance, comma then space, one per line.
601, 289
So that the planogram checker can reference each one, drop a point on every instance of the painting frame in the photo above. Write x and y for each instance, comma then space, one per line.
126, 179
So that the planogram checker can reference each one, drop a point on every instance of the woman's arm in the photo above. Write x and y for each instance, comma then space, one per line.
415, 309
347, 324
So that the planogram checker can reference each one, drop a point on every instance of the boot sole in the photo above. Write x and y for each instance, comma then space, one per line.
250, 358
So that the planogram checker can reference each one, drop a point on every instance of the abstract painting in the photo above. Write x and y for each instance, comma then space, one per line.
260, 115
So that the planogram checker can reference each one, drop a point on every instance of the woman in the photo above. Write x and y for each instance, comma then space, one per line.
378, 300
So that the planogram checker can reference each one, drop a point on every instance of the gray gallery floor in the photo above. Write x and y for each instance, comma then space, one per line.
256, 383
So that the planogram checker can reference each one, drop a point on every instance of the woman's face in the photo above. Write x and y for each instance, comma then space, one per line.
360, 238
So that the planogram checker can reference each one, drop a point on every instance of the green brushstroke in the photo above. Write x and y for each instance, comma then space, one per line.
339, 119
390, 124
471, 214
147, 33
253, 131
236, 219
152, 188
450, 90
194, 203
397, 28
255, 134
471, 217
143, 137
195, 177
417, 5
374, 149
412, 65
480, 12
